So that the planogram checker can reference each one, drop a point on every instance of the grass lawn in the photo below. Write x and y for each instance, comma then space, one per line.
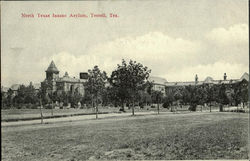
31, 113
35, 113
155, 137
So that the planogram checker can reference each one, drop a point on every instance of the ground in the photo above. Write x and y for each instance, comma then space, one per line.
193, 135
15, 114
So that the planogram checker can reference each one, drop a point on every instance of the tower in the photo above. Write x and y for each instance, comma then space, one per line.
196, 79
52, 72
225, 76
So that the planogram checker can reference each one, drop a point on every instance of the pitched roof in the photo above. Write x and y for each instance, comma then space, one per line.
67, 78
191, 83
245, 76
208, 80
52, 67
4, 89
157, 80
37, 85
15, 87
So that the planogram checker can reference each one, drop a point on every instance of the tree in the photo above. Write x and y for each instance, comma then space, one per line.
186, 94
168, 100
194, 98
157, 97
210, 91
40, 103
202, 95
222, 98
240, 92
178, 95
26, 95
64, 98
244, 92
96, 86
47, 94
128, 79
9, 98
75, 98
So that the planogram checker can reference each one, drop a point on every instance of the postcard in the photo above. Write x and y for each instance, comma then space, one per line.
125, 80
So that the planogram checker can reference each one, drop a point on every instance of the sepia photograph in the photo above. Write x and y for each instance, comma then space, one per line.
125, 80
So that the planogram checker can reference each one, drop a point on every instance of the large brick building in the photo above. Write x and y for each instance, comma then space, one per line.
158, 84
170, 86
54, 83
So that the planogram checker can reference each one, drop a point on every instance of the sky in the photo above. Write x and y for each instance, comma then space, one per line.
176, 39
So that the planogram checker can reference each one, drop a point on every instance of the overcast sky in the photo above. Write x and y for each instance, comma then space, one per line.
175, 38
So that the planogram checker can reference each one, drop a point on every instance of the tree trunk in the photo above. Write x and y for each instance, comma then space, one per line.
96, 116
210, 107
41, 111
52, 108
122, 107
92, 101
133, 108
158, 108
221, 108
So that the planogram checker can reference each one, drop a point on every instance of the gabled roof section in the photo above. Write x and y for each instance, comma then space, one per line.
68, 79
157, 80
52, 67
245, 76
4, 89
191, 83
37, 86
208, 80
15, 87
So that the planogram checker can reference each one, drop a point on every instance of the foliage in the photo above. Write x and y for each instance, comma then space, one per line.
128, 79
26, 95
240, 92
168, 100
157, 96
96, 86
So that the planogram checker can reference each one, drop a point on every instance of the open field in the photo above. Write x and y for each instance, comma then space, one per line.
166, 136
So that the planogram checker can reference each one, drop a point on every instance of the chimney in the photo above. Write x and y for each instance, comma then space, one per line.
225, 76
83, 75
196, 79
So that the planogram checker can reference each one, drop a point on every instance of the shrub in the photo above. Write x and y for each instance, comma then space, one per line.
48, 106
166, 105
221, 108
122, 110
65, 103
20, 106
141, 105
192, 107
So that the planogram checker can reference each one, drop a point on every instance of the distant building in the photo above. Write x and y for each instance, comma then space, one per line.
14, 88
208, 80
54, 83
158, 84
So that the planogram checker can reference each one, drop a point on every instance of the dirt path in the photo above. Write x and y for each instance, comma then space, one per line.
73, 118
87, 119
